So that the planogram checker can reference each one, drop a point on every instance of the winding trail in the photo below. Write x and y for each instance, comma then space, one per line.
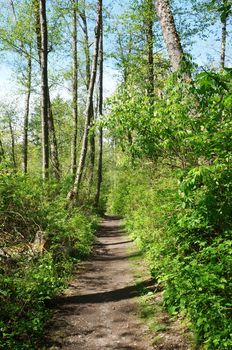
98, 310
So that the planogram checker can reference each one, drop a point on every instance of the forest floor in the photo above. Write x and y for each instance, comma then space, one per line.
101, 307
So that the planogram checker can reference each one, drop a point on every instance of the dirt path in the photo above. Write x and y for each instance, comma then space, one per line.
98, 311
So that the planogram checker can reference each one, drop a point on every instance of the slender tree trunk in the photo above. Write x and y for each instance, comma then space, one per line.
150, 57
27, 98
170, 34
2, 153
86, 47
53, 142
91, 152
223, 45
88, 77
50, 122
12, 144
100, 142
26, 117
74, 88
13, 8
224, 18
44, 89
36, 8
73, 194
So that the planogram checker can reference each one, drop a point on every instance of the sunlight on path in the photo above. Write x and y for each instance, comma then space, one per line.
98, 310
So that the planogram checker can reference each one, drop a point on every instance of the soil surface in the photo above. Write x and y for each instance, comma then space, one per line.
98, 310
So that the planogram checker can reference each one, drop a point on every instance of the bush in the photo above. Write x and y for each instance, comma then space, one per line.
176, 218
28, 278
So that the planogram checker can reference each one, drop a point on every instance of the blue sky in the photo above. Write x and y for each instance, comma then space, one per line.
203, 50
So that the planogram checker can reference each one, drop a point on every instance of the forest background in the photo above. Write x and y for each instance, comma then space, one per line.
158, 152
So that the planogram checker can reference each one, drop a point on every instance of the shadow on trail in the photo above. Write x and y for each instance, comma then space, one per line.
112, 217
109, 257
113, 231
116, 230
114, 243
104, 297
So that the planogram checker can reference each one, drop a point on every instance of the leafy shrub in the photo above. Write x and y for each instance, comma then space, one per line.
28, 279
181, 231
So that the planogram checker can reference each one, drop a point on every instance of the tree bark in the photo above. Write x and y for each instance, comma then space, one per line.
12, 143
13, 8
170, 34
74, 193
51, 127
86, 47
100, 142
74, 87
224, 17
2, 153
36, 8
91, 151
88, 77
149, 40
53, 141
28, 55
44, 89
26, 117
223, 45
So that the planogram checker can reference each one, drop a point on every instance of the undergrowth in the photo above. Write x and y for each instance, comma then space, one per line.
32, 273
180, 219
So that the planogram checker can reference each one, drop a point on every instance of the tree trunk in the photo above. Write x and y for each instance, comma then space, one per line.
36, 8
149, 40
26, 117
2, 153
12, 143
13, 8
223, 45
27, 97
73, 194
92, 150
50, 121
44, 89
224, 17
74, 88
53, 142
86, 47
171, 37
88, 77
100, 142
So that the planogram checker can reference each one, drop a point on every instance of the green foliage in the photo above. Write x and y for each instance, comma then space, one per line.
190, 123
182, 218
30, 273
23, 297
181, 231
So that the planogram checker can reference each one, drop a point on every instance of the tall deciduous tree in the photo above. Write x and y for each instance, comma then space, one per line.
44, 88
74, 192
225, 11
13, 157
2, 152
149, 20
24, 40
74, 87
100, 142
88, 77
52, 140
26, 115
8, 117
86, 44
170, 34
213, 11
